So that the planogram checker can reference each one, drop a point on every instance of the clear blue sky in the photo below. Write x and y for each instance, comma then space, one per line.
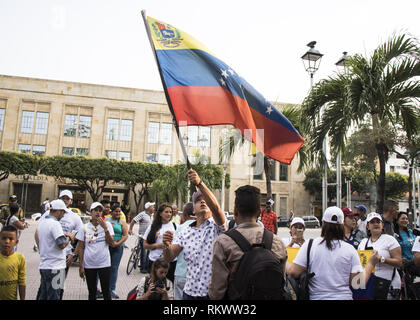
105, 42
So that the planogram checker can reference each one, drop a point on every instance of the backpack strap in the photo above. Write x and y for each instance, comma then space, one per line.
308, 254
239, 240
267, 239
231, 224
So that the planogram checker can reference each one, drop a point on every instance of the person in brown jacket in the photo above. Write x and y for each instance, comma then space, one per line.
226, 253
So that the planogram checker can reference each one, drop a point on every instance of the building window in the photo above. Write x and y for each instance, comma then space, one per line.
112, 129
27, 122
153, 132
284, 172
283, 206
126, 130
258, 166
151, 157
70, 125
111, 154
68, 151
165, 159
41, 123
192, 136
204, 137
84, 126
24, 148
166, 133
126, 156
38, 150
1, 119
82, 151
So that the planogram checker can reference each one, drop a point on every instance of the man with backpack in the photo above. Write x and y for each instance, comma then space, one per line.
249, 260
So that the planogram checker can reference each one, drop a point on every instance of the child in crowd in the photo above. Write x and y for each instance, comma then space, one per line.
12, 266
156, 286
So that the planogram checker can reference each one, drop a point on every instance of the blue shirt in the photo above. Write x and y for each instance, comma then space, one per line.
406, 242
181, 265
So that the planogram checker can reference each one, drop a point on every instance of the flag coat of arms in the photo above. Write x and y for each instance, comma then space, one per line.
204, 90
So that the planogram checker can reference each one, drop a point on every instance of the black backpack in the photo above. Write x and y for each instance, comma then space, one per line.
260, 275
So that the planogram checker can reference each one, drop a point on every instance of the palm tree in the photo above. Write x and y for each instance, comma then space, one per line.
233, 140
381, 89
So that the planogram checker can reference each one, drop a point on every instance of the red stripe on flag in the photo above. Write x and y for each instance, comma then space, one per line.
215, 105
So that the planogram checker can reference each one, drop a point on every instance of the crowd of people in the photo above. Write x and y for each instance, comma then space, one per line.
197, 254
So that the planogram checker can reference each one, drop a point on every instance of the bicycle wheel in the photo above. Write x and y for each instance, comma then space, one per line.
131, 264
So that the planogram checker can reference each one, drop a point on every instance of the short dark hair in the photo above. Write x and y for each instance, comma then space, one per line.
389, 204
10, 228
105, 201
188, 210
248, 200
14, 208
114, 206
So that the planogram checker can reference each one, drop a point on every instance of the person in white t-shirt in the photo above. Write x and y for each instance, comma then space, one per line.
154, 234
95, 238
389, 251
335, 263
416, 252
52, 244
296, 239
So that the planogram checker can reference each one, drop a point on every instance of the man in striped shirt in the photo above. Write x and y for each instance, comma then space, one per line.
144, 218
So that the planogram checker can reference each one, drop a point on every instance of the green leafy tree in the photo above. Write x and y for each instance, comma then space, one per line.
138, 177
396, 186
91, 175
18, 164
381, 88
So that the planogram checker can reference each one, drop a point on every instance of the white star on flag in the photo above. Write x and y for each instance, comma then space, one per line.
269, 110
231, 72
224, 74
223, 81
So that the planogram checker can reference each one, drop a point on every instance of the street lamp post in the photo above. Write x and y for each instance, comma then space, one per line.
340, 63
311, 61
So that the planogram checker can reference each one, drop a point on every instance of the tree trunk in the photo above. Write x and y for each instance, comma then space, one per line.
267, 169
380, 187
410, 187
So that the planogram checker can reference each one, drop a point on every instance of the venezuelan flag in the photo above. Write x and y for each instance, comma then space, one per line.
204, 90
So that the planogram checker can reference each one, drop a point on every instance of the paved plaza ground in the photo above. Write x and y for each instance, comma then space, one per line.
75, 288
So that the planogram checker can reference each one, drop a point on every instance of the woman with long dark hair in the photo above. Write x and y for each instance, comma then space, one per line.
154, 233
155, 286
334, 262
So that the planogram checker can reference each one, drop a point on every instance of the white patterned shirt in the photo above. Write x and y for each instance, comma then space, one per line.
197, 245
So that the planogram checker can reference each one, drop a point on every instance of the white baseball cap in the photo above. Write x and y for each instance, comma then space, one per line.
66, 193
297, 220
333, 215
148, 205
270, 202
58, 205
95, 205
373, 215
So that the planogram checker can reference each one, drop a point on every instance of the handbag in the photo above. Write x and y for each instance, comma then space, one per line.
301, 285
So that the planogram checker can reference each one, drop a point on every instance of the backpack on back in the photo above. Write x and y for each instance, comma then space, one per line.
260, 275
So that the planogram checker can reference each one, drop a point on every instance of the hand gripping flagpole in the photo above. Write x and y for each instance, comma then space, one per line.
143, 12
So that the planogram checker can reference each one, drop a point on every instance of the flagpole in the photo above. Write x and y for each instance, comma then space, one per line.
143, 13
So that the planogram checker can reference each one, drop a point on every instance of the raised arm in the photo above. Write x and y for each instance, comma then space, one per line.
211, 201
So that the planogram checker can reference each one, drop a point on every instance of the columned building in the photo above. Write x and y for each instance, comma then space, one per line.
49, 117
